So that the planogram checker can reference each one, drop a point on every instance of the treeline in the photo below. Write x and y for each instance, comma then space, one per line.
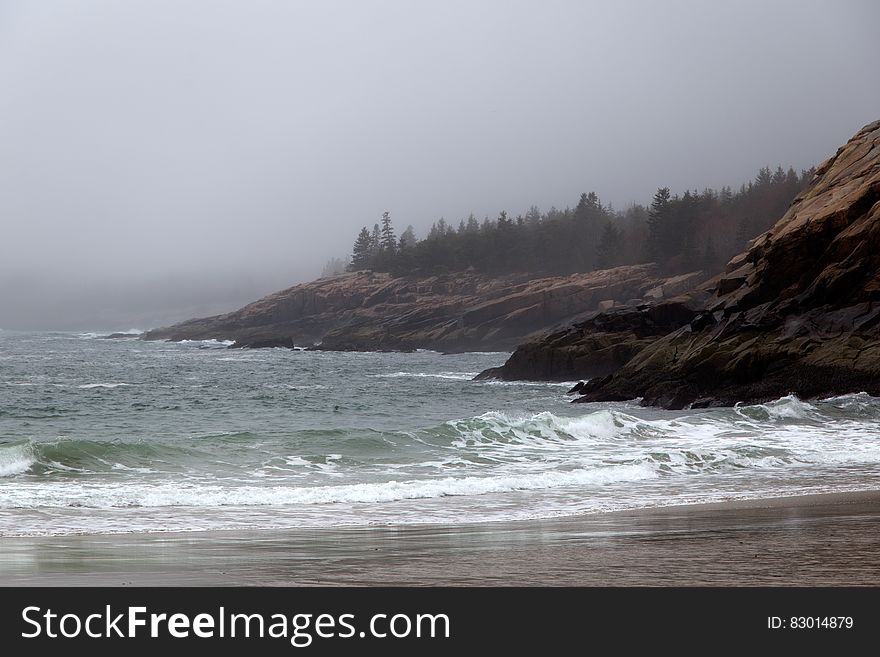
680, 232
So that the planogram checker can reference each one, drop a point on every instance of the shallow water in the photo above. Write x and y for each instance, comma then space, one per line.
106, 436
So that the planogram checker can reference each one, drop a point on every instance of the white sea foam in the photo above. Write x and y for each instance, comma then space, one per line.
469, 376
863, 397
605, 424
680, 445
328, 465
499, 382
208, 343
790, 407
91, 335
859, 406
785, 409
298, 462
89, 386
290, 386
112, 495
15, 459
121, 466
55, 465
532, 430
452, 376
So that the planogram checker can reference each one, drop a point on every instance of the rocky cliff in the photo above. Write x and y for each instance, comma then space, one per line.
798, 311
455, 312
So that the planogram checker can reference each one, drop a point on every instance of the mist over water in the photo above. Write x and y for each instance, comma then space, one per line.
121, 435
163, 160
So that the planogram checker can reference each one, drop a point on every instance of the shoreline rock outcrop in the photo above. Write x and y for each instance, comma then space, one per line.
466, 311
598, 345
797, 312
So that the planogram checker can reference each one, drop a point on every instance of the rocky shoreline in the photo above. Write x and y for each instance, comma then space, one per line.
467, 311
598, 345
797, 312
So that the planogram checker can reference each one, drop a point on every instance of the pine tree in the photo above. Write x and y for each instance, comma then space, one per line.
657, 217
609, 247
375, 240
694, 230
407, 239
588, 208
389, 240
588, 216
533, 216
362, 251
681, 239
726, 195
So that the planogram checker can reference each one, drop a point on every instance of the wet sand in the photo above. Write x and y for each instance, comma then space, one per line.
817, 540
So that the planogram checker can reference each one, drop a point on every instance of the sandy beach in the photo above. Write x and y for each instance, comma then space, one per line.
817, 540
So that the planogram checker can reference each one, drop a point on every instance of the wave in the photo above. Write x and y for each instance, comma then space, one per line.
469, 376
495, 427
92, 335
802, 430
208, 344
492, 453
452, 376
89, 386
499, 382
856, 406
15, 459
780, 434
789, 407
112, 495
86, 456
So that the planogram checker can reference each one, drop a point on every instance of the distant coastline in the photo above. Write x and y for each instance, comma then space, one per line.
795, 312
467, 311
491, 285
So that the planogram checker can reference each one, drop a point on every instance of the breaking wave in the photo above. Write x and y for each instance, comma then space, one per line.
494, 452
208, 344
201, 495
15, 459
452, 376
91, 336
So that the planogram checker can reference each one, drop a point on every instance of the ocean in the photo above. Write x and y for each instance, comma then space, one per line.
120, 435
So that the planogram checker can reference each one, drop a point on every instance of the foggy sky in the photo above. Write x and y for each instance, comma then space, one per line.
160, 160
